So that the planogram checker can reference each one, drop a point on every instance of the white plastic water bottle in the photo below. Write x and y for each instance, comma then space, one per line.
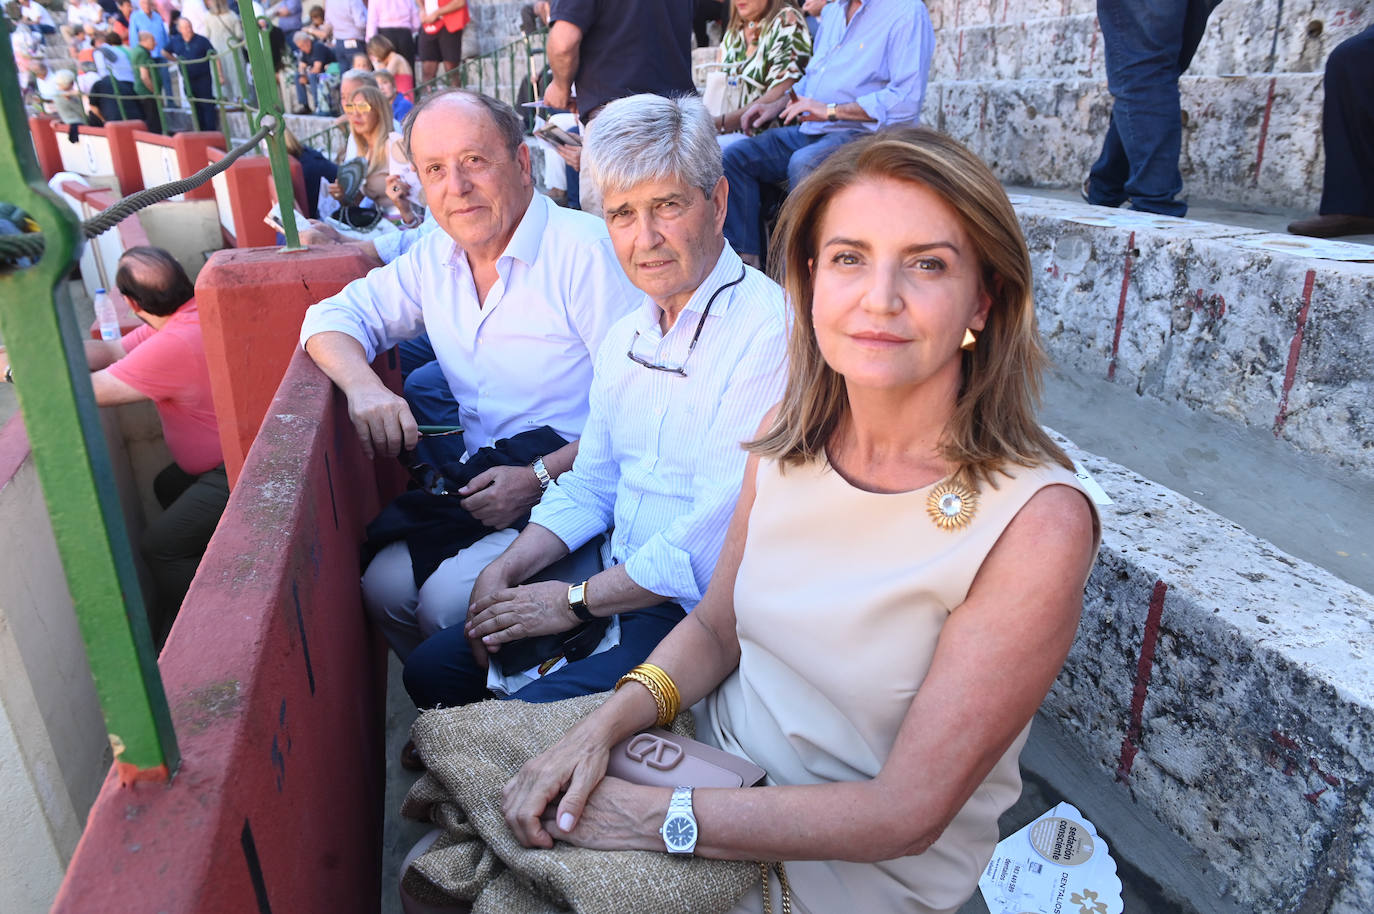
105, 314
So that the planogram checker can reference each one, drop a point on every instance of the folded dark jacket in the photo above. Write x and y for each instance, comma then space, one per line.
437, 527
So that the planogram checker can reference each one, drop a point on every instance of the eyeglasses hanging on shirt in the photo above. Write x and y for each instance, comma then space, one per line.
680, 369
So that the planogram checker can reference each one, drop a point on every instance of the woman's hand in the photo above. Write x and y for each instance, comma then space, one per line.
335, 190
573, 766
399, 193
520, 612
617, 816
570, 154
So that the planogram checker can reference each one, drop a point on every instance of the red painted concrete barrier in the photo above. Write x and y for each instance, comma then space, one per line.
192, 151
251, 305
250, 192
45, 145
124, 153
276, 682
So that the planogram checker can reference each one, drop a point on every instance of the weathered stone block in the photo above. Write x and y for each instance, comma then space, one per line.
1247, 140
1248, 723
1216, 317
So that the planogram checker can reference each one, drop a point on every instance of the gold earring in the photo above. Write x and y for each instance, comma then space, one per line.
970, 341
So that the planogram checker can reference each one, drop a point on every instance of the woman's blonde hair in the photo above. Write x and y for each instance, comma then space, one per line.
994, 416
737, 22
377, 142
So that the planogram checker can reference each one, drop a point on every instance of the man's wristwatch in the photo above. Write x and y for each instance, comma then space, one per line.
679, 829
830, 112
577, 602
542, 473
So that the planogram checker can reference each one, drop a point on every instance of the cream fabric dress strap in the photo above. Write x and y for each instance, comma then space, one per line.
840, 599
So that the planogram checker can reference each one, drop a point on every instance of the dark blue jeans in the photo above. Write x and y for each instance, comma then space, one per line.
1147, 47
1348, 128
772, 156
441, 672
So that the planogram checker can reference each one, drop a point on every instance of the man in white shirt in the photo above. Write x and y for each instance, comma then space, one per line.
679, 384
516, 296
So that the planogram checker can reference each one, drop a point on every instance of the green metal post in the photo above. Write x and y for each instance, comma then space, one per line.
269, 103
49, 363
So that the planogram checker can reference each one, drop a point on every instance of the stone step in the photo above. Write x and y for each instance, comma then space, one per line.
1270, 333
1240, 37
1239, 40
1253, 140
1225, 691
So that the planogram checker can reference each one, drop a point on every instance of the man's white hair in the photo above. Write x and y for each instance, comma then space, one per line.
649, 137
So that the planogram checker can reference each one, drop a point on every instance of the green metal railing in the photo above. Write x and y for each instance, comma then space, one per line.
47, 356
46, 353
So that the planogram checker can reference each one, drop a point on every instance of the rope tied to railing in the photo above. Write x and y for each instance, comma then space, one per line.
13, 247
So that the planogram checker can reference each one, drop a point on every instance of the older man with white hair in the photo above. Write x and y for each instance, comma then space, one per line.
678, 385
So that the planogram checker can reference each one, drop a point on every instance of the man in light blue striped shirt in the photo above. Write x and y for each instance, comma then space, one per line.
678, 385
869, 71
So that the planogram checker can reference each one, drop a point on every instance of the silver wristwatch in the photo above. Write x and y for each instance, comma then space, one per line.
679, 829
540, 472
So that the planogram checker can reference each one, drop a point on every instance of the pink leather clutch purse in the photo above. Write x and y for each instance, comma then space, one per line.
657, 758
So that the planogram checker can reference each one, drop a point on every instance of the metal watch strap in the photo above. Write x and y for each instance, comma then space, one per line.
542, 473
681, 801
577, 602
831, 112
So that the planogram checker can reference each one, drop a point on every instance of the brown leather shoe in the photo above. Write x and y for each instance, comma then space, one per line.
1332, 225
410, 758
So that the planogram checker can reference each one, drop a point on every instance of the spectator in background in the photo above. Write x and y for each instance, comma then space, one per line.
317, 28
82, 13
147, 19
371, 139
766, 47
197, 52
197, 11
1347, 206
441, 37
1147, 47
310, 76
348, 19
397, 21
400, 105
384, 56
225, 31
145, 82
314, 166
613, 48
164, 362
287, 14
869, 71
119, 20
116, 82
38, 19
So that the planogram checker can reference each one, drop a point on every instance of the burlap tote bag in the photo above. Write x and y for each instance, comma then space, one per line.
471, 752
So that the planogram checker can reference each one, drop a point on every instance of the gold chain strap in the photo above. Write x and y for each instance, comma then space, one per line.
783, 884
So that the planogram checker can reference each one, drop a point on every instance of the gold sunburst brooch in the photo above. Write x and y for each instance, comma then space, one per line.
951, 505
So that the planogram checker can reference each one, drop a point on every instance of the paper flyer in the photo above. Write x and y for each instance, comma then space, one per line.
1057, 864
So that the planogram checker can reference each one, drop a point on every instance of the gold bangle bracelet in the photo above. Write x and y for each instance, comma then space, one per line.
654, 689
667, 699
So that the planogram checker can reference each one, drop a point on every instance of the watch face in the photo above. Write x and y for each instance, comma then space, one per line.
679, 832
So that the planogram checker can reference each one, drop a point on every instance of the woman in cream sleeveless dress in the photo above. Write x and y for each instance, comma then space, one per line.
904, 572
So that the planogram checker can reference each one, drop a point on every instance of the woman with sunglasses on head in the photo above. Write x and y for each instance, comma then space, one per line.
901, 581
390, 181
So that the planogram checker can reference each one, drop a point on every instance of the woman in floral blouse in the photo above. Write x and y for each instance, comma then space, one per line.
766, 47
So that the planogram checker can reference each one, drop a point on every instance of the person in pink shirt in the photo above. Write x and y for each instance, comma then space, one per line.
397, 21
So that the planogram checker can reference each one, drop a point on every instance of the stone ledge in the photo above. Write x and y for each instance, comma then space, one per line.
1228, 689
1248, 326
1253, 140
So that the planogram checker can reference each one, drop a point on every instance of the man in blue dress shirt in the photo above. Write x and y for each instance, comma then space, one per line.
871, 62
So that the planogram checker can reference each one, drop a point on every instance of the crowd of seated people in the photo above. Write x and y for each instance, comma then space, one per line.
673, 473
